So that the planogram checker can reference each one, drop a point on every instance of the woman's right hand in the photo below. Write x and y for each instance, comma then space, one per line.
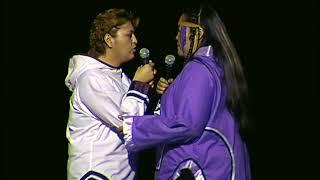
145, 73
163, 84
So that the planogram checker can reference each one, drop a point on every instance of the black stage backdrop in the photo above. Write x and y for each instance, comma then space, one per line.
276, 42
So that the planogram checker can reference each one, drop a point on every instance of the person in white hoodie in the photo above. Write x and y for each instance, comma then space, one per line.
101, 93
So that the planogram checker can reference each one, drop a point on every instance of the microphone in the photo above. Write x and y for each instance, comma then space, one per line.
169, 60
144, 54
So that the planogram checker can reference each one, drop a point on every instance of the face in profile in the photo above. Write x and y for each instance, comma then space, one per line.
183, 36
124, 42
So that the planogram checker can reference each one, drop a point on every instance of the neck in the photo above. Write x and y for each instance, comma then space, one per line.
109, 58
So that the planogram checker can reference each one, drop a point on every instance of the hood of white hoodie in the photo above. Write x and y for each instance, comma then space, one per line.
79, 64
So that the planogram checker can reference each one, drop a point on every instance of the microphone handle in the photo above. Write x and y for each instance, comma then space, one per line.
168, 72
145, 61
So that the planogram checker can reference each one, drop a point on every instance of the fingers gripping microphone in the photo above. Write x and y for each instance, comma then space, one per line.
169, 61
144, 54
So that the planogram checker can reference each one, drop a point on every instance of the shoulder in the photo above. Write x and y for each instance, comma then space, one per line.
196, 70
91, 74
95, 79
198, 75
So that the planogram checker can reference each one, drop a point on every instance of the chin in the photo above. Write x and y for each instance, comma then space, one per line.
130, 58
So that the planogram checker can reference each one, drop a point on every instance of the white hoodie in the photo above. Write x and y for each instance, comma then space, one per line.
100, 93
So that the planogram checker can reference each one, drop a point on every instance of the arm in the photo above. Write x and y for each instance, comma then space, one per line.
192, 109
105, 103
162, 86
135, 101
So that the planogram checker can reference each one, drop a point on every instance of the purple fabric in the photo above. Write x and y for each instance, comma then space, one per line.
194, 101
140, 86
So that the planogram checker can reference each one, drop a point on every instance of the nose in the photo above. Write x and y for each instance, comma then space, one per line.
134, 39
178, 36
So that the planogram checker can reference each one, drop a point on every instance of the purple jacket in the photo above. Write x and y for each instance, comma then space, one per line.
195, 129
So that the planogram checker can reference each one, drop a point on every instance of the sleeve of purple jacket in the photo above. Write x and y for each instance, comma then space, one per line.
193, 95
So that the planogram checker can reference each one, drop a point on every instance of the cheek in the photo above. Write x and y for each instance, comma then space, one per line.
188, 37
124, 45
178, 38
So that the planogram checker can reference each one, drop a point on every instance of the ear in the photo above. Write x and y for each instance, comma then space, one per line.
108, 39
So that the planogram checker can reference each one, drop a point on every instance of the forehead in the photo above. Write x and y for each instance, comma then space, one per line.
184, 21
126, 27
183, 18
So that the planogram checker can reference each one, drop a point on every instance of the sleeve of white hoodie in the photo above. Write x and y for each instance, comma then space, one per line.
105, 102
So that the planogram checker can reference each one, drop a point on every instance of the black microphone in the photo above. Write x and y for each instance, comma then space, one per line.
169, 60
144, 54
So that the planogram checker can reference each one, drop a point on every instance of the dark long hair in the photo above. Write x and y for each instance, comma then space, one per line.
215, 34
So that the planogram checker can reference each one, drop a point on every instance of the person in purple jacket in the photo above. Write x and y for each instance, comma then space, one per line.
197, 131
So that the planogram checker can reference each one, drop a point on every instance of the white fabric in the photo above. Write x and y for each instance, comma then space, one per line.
157, 109
127, 125
193, 167
99, 96
127, 130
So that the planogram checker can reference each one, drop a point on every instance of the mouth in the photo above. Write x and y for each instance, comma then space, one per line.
178, 47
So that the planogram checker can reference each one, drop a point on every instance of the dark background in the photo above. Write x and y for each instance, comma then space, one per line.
276, 40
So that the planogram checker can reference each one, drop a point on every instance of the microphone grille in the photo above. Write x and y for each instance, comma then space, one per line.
169, 60
144, 53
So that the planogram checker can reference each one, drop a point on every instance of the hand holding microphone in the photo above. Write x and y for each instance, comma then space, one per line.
164, 82
146, 72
